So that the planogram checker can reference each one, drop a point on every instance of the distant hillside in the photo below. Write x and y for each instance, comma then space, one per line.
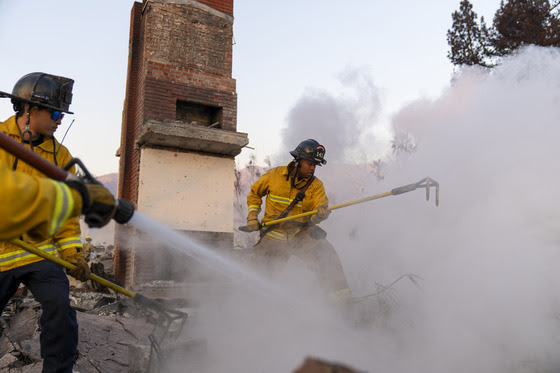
110, 181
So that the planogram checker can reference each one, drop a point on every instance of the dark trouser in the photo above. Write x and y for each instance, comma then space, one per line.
318, 253
59, 329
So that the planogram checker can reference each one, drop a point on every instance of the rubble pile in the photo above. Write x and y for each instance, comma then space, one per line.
108, 327
115, 334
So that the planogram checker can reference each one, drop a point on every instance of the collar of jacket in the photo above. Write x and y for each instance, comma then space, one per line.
11, 128
288, 169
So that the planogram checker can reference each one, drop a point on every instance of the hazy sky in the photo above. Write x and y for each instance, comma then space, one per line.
283, 51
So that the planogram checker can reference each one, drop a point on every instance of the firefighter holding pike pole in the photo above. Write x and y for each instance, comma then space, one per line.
295, 203
291, 190
40, 101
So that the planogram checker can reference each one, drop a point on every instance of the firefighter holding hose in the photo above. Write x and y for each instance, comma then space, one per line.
35, 206
292, 190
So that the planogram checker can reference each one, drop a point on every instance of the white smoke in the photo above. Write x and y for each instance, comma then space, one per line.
345, 122
488, 255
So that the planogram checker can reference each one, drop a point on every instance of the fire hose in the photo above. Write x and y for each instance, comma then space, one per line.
124, 212
424, 183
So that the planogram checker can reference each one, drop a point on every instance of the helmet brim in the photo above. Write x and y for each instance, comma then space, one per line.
9, 95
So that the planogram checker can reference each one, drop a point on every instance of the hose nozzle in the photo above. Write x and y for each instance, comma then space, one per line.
124, 211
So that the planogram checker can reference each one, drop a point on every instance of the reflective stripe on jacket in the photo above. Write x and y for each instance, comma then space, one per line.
279, 194
68, 233
12, 257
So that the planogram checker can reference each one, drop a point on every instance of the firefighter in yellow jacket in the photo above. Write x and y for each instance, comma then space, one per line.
40, 101
39, 206
283, 188
34, 205
88, 249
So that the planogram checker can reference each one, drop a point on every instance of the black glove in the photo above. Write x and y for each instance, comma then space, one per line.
98, 204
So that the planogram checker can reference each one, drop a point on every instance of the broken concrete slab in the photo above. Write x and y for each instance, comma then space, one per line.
19, 345
177, 357
185, 136
105, 340
314, 365
5, 345
24, 324
90, 300
7, 360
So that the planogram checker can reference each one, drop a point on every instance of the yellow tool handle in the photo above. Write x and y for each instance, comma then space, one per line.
32, 249
333, 207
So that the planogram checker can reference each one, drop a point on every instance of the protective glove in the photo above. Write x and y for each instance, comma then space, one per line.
253, 225
253, 221
98, 204
322, 214
73, 256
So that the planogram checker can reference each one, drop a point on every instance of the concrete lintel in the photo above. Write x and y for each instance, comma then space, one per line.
190, 137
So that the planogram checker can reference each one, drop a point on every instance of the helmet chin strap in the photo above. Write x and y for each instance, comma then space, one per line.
298, 166
296, 173
27, 130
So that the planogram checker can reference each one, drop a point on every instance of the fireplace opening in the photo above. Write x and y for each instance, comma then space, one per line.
198, 114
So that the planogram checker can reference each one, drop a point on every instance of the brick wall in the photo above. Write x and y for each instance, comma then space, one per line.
190, 37
129, 156
177, 51
225, 6
160, 99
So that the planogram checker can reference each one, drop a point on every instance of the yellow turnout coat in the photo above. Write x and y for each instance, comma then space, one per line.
277, 188
56, 200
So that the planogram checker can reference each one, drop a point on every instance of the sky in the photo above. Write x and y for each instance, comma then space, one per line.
283, 51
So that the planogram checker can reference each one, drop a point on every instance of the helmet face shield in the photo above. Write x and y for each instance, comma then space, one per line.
311, 151
45, 90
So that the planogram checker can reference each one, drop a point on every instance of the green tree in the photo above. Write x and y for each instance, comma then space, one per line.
467, 39
516, 23
522, 22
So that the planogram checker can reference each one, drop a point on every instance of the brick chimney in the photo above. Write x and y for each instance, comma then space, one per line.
178, 139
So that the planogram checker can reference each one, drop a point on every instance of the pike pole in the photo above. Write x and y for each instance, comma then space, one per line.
424, 183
